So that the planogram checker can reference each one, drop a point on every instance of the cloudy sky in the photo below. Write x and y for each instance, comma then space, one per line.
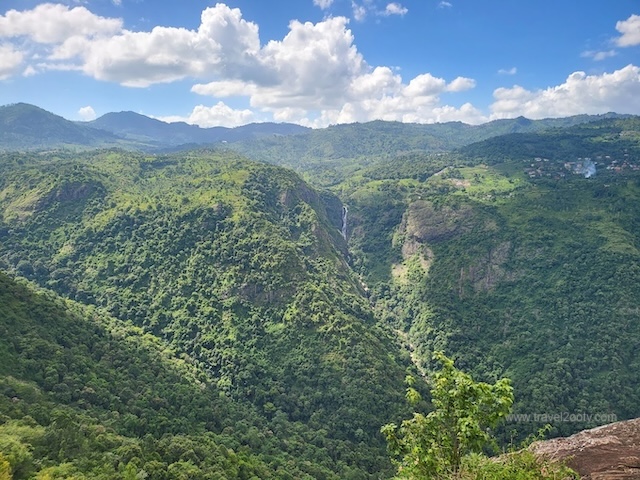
322, 62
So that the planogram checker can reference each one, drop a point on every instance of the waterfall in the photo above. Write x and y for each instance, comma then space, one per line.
345, 211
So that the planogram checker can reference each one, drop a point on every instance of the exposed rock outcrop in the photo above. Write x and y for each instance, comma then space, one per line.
608, 452
430, 224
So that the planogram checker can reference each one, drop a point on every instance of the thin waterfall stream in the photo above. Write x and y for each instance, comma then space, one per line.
345, 212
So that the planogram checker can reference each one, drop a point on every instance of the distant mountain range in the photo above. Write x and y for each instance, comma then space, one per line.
27, 127
139, 128
209, 316
24, 126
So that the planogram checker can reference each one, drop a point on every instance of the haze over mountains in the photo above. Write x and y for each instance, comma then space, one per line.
139, 128
211, 313
24, 126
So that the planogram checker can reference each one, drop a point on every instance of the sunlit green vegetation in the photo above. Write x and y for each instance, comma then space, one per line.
199, 315
532, 278
235, 267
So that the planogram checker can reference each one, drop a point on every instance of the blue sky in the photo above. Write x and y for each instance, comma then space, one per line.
321, 62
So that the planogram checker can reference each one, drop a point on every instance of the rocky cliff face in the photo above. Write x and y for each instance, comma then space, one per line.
607, 452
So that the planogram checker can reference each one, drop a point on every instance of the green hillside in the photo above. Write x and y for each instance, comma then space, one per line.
27, 127
239, 266
150, 132
84, 395
333, 155
204, 317
521, 268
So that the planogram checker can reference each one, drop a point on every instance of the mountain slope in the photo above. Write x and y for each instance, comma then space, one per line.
239, 265
332, 155
79, 390
24, 126
27, 127
614, 136
522, 268
502, 254
136, 127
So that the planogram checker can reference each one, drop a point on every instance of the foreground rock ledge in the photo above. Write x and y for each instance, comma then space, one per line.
608, 452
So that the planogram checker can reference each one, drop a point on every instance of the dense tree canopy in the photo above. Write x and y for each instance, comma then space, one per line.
433, 445
199, 315
235, 267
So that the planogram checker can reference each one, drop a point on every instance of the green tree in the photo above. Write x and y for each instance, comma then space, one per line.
433, 445
5, 468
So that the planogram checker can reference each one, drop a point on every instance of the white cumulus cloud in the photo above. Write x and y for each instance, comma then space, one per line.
460, 84
225, 88
425, 85
381, 81
76, 39
224, 44
50, 23
314, 75
323, 4
395, 9
87, 113
598, 55
381, 94
630, 30
29, 71
618, 91
219, 115
359, 11
10, 61
310, 68
508, 71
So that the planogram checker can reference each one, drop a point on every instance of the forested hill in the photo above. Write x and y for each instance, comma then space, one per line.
381, 138
522, 261
240, 269
332, 155
27, 127
615, 137
277, 346
149, 131
84, 395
